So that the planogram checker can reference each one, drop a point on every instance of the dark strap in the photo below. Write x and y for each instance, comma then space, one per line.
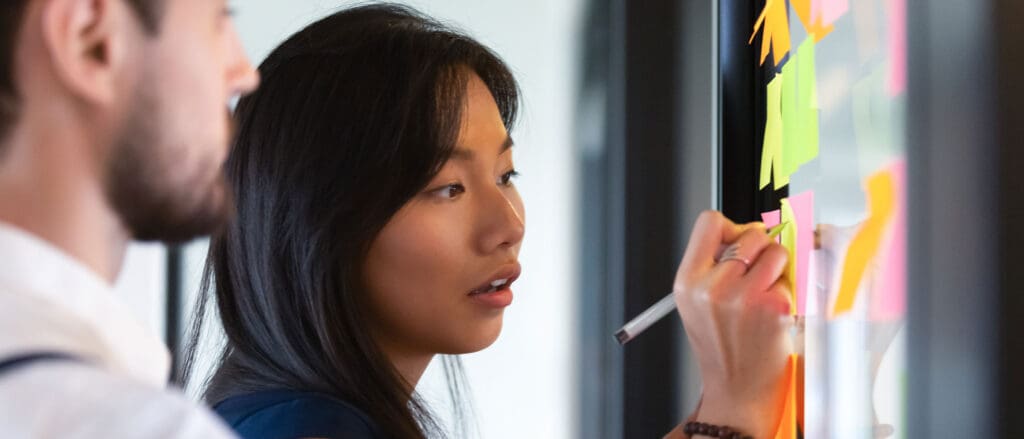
9, 364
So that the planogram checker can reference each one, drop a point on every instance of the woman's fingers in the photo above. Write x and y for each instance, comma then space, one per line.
710, 232
778, 298
768, 268
741, 256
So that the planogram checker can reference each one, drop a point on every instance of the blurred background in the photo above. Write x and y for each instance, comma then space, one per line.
528, 373
636, 116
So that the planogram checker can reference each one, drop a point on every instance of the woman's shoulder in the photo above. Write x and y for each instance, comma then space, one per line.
280, 414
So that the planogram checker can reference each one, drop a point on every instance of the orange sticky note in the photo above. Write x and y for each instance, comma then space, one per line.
889, 301
775, 37
787, 428
881, 191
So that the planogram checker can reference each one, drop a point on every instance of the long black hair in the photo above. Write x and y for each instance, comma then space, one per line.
355, 114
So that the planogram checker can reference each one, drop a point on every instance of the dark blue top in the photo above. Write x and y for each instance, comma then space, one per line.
285, 414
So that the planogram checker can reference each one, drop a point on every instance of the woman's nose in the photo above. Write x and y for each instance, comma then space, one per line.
503, 224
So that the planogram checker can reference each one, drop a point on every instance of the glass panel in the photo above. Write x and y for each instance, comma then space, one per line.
835, 130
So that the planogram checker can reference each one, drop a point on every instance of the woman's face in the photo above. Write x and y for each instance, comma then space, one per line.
430, 270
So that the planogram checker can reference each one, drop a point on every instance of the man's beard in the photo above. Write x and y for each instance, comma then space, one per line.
152, 202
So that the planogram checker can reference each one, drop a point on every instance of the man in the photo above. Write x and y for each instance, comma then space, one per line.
113, 127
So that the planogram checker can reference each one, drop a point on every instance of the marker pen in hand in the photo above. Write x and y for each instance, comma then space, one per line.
663, 308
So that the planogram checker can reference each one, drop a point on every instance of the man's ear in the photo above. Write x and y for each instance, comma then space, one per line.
86, 42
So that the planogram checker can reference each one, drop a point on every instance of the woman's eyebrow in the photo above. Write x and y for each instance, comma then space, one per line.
507, 144
468, 155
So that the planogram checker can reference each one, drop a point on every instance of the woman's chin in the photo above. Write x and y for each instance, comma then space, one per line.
482, 338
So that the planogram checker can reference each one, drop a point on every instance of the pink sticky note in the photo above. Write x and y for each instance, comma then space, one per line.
831, 10
897, 47
889, 300
803, 213
771, 219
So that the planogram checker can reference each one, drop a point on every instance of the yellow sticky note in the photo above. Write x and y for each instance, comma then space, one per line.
775, 37
787, 428
788, 240
771, 149
813, 25
881, 191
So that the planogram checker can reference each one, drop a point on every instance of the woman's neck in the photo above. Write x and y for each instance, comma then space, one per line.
410, 365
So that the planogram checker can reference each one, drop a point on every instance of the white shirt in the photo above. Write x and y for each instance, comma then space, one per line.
51, 302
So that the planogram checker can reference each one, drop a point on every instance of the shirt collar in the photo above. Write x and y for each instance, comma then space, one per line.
64, 290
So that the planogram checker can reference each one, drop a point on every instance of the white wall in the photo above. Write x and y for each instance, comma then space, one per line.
522, 386
142, 282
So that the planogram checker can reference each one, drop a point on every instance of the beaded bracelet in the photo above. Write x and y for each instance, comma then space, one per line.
717, 431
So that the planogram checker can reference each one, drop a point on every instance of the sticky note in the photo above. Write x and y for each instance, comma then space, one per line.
771, 150
788, 240
831, 10
790, 119
880, 189
808, 101
787, 428
869, 32
802, 210
878, 129
791, 134
813, 25
897, 83
775, 37
771, 219
798, 392
799, 110
889, 301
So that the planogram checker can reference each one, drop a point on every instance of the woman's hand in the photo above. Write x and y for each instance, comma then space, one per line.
735, 308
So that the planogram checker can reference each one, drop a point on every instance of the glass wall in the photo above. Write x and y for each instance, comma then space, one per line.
832, 151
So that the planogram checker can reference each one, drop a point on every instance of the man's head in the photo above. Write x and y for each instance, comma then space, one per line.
144, 85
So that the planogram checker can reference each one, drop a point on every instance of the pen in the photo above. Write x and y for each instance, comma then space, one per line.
661, 309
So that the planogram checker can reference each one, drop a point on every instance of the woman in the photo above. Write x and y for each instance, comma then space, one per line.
378, 226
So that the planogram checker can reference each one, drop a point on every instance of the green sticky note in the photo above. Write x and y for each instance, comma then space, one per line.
808, 101
805, 69
799, 110
791, 128
772, 147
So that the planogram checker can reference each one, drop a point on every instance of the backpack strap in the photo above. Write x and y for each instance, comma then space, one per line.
8, 365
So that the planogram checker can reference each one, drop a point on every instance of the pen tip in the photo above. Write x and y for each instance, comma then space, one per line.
622, 336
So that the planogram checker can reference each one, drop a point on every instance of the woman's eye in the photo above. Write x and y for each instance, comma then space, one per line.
450, 191
506, 178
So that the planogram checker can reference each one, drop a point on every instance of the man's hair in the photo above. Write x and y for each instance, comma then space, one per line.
12, 13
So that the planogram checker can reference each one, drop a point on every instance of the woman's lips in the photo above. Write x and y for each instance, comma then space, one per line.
503, 277
495, 299
497, 292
